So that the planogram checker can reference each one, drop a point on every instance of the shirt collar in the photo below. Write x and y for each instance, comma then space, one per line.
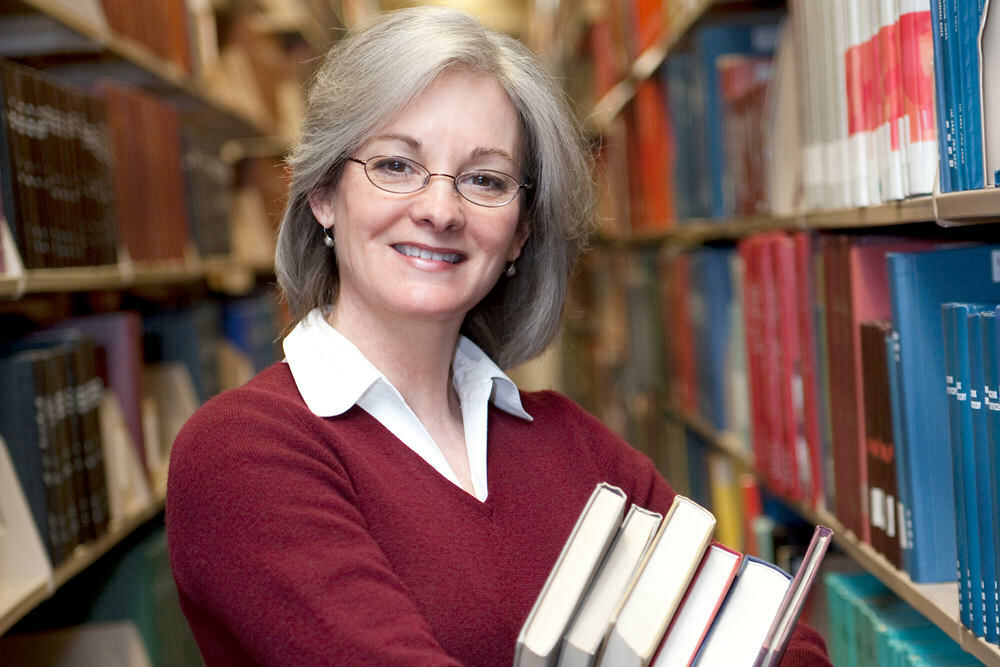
332, 374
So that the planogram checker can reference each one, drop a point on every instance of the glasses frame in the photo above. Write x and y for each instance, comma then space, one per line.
429, 174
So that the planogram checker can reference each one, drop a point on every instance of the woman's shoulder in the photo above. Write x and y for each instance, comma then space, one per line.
269, 396
548, 403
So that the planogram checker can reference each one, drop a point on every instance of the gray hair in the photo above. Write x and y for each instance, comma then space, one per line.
365, 80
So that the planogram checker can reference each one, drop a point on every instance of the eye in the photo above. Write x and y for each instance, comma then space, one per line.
393, 167
486, 182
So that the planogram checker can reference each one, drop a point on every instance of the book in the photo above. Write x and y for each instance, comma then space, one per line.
991, 402
24, 561
920, 282
880, 446
989, 55
583, 640
701, 602
757, 35
657, 588
778, 635
539, 640
739, 629
981, 446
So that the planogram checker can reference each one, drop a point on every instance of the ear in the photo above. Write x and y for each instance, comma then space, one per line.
321, 203
520, 238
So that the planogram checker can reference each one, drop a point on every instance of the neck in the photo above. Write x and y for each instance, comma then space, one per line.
415, 356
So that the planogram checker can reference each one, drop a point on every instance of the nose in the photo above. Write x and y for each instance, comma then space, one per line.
439, 204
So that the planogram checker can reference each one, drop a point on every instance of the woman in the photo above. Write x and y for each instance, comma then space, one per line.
387, 496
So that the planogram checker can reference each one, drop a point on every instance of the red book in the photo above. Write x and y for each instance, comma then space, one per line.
857, 289
805, 289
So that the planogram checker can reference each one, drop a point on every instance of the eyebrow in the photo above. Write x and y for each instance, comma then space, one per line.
415, 144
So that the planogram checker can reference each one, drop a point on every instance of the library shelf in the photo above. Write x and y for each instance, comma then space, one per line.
681, 15
82, 557
104, 39
227, 275
971, 207
937, 602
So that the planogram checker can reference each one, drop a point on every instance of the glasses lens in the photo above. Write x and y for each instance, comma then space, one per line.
395, 174
485, 187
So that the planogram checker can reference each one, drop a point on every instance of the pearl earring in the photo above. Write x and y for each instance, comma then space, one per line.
511, 270
328, 237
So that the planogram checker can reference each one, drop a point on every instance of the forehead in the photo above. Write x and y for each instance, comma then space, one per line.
459, 113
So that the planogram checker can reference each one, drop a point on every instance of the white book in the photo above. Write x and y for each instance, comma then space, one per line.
742, 623
699, 608
586, 634
539, 640
660, 583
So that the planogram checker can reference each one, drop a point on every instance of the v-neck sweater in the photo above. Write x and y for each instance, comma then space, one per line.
300, 540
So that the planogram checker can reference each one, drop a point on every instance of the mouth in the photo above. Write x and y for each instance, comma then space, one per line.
423, 253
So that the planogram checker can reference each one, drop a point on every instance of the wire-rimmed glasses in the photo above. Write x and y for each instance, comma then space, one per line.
400, 175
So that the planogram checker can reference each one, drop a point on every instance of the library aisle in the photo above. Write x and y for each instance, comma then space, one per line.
789, 302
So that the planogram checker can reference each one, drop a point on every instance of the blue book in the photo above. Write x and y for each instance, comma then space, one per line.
991, 404
969, 14
710, 42
904, 520
945, 75
955, 329
709, 300
677, 77
983, 477
919, 283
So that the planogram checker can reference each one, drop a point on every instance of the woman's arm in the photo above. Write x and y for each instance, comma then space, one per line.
271, 555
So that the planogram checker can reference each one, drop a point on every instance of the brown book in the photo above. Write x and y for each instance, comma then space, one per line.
883, 489
24, 200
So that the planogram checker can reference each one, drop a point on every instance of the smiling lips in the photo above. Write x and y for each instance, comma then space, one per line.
413, 251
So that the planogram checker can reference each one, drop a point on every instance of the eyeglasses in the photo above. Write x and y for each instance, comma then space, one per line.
401, 175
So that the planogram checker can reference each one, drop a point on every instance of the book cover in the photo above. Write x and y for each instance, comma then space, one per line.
598, 523
701, 603
586, 633
659, 584
741, 625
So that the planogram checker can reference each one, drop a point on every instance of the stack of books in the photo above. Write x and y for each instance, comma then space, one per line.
657, 590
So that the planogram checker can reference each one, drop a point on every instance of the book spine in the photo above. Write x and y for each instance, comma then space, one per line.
991, 400
904, 518
969, 17
984, 480
918, 67
943, 104
953, 389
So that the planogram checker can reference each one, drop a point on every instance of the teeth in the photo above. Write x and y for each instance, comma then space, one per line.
410, 251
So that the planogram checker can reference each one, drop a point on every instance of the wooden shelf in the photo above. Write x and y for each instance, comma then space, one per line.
103, 39
681, 15
83, 557
974, 207
225, 274
938, 602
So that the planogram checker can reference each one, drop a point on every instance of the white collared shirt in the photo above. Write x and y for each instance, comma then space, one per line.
332, 375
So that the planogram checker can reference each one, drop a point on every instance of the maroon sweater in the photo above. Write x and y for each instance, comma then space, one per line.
297, 540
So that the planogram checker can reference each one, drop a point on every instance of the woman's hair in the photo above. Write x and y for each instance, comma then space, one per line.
369, 77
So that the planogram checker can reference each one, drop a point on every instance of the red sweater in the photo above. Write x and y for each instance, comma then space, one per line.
296, 540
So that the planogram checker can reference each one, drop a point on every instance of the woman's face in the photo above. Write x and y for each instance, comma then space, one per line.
429, 255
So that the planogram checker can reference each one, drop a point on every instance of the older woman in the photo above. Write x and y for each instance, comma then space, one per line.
386, 495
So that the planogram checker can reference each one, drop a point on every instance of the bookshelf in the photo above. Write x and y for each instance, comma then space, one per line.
614, 118
938, 602
72, 45
83, 557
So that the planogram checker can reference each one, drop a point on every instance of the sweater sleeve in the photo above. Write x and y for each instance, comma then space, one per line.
272, 557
